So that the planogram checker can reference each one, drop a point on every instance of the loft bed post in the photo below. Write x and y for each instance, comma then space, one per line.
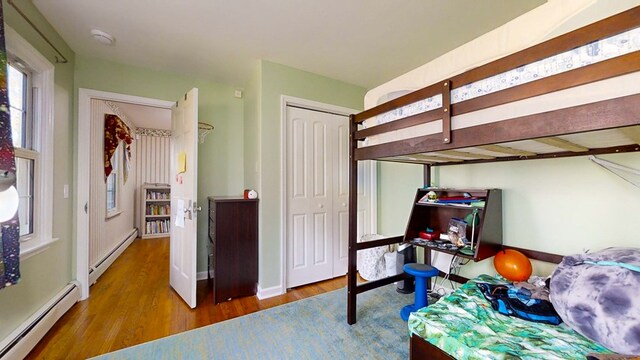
352, 292
446, 113
426, 175
427, 252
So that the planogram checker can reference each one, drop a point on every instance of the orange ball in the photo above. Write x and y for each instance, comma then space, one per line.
512, 265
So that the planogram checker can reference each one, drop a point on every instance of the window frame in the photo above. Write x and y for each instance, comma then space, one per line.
19, 65
116, 171
26, 152
36, 183
42, 96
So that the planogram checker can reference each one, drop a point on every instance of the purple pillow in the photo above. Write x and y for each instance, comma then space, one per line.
598, 295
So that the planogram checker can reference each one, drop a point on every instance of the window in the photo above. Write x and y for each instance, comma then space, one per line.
113, 183
19, 81
30, 83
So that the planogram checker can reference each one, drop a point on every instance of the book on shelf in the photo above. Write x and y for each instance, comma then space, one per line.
155, 209
158, 226
157, 195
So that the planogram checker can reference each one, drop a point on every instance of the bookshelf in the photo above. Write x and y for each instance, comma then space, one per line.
155, 210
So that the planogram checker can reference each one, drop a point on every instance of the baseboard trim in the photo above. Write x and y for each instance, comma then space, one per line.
22, 340
202, 275
269, 292
104, 263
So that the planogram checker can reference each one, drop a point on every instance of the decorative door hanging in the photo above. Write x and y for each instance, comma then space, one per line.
115, 130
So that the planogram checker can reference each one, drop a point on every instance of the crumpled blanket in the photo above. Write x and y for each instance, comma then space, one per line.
510, 300
598, 295
538, 286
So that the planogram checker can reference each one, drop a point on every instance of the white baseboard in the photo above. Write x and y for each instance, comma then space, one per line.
104, 264
269, 292
22, 340
202, 275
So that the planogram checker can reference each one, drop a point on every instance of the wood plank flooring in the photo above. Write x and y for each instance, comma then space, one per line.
133, 303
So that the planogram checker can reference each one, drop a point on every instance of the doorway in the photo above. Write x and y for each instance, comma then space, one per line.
316, 192
84, 163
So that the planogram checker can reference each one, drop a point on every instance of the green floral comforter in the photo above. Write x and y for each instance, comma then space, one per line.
465, 326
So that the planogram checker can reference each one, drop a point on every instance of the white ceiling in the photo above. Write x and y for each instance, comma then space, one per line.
362, 42
146, 116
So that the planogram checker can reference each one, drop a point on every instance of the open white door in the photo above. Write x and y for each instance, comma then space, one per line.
184, 182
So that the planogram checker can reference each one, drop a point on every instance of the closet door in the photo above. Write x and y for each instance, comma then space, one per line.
341, 197
317, 196
310, 196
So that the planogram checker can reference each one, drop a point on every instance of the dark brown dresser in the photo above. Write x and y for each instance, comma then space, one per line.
233, 236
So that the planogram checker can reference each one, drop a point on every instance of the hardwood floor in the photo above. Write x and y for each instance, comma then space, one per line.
133, 303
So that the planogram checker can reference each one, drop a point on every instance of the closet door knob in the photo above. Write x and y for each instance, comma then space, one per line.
343, 204
320, 206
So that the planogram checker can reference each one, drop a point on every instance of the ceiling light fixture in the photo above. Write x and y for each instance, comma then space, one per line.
102, 37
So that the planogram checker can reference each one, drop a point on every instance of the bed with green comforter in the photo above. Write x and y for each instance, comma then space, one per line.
464, 325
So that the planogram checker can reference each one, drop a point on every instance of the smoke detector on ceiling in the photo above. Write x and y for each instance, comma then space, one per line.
102, 37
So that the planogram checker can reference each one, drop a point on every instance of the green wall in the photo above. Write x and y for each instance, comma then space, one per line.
560, 206
277, 80
220, 158
252, 127
46, 273
397, 184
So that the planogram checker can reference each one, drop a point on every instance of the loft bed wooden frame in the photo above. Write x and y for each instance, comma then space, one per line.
621, 113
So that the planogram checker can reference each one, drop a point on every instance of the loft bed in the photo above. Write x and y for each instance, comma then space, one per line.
574, 95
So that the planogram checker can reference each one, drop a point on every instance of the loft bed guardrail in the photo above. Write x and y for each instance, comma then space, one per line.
587, 126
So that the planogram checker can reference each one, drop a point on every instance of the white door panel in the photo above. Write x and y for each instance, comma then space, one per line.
317, 196
309, 222
341, 196
183, 243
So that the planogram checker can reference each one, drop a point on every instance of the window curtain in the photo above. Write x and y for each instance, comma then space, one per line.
9, 225
115, 131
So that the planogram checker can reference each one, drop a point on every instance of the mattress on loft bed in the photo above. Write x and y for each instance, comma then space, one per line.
591, 53
464, 325
553, 18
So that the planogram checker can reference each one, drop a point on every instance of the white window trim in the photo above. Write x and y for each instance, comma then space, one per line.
35, 156
43, 99
117, 169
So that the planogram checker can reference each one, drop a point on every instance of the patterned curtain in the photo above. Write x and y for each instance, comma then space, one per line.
10, 227
115, 130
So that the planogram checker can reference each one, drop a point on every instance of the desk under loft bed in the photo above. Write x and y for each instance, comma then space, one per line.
574, 95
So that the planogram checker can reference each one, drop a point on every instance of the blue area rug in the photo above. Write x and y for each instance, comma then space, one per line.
312, 328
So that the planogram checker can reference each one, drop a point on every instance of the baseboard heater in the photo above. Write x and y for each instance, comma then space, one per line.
103, 264
22, 340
